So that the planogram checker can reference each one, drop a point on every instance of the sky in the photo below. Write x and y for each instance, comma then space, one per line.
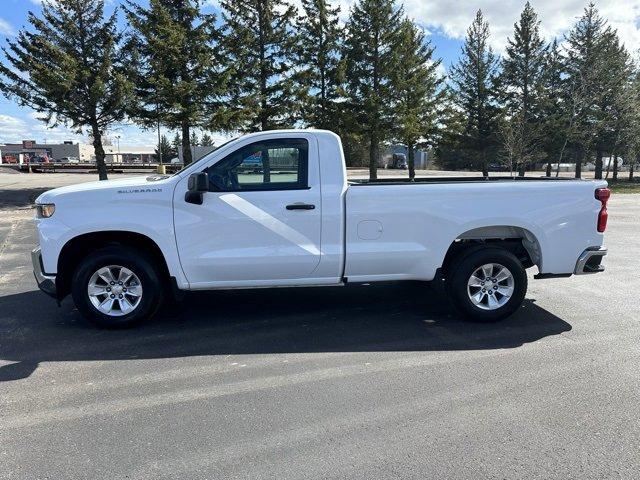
445, 23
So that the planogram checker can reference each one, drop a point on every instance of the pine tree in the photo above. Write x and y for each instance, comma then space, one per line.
522, 82
631, 133
417, 88
176, 143
371, 59
626, 123
318, 61
69, 67
259, 45
180, 70
193, 139
206, 140
552, 118
585, 69
450, 132
166, 149
474, 82
611, 106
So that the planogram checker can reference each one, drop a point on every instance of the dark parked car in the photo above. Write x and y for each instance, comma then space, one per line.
497, 167
39, 159
398, 161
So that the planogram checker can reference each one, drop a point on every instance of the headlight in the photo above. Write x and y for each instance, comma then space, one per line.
45, 210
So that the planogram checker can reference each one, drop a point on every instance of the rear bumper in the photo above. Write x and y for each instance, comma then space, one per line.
46, 282
590, 261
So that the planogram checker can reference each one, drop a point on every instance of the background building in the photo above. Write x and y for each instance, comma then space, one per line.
130, 155
21, 152
197, 152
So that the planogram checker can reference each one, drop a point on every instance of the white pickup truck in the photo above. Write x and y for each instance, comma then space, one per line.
276, 209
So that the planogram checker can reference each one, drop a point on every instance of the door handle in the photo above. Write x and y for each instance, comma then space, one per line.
300, 206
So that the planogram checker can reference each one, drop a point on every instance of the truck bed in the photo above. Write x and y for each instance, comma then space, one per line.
409, 227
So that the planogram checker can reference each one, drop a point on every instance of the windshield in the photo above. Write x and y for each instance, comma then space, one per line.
208, 155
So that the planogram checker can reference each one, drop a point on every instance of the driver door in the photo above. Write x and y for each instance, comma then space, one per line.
259, 223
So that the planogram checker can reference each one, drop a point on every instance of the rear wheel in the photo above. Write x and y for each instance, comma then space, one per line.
487, 284
116, 287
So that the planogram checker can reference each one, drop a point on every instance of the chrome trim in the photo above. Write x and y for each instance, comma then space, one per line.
584, 258
46, 282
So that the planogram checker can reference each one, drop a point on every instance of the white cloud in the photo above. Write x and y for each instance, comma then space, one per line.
11, 128
136, 137
557, 17
40, 131
6, 28
15, 129
132, 136
36, 116
452, 19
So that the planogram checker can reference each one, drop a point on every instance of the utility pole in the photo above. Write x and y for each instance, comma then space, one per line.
118, 141
159, 146
161, 168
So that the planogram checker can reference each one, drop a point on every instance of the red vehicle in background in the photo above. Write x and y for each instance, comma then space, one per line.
9, 159
38, 159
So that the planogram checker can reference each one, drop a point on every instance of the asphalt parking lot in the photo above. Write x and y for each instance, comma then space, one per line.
363, 382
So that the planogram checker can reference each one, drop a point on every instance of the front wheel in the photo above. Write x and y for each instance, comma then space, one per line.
487, 284
116, 287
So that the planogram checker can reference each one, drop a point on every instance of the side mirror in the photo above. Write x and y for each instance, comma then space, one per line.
197, 184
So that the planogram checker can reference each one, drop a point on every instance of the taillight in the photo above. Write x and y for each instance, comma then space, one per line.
603, 195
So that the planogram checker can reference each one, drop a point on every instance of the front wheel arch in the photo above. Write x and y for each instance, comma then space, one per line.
77, 248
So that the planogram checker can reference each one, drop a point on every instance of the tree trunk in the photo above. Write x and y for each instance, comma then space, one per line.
579, 160
411, 161
631, 171
598, 173
99, 150
548, 172
485, 167
521, 169
564, 146
186, 144
262, 21
614, 155
266, 166
374, 148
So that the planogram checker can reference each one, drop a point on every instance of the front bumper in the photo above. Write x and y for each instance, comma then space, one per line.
46, 282
590, 261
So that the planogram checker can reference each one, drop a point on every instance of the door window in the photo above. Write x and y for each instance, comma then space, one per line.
278, 164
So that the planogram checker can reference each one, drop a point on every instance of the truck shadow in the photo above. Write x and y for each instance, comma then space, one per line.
392, 317
20, 198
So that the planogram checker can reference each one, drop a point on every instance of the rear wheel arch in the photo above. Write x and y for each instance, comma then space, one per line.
518, 240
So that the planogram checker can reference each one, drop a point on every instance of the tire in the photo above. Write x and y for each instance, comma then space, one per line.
121, 305
475, 270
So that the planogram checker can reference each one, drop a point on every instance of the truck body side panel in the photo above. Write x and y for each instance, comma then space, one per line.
115, 205
402, 232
